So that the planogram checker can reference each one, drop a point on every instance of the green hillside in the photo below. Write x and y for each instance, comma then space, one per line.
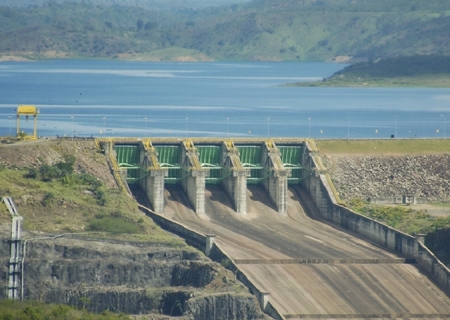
260, 30
423, 71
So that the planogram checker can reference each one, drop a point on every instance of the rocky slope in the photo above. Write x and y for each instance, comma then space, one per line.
359, 176
133, 278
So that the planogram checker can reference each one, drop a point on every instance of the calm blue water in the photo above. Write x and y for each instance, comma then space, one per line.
113, 98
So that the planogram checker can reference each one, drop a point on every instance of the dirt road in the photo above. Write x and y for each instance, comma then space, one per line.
335, 288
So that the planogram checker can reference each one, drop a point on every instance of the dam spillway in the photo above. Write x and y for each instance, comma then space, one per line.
194, 163
312, 269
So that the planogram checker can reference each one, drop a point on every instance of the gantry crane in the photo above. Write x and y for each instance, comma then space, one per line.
27, 110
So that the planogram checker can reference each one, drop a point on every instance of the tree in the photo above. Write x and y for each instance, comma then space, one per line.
140, 24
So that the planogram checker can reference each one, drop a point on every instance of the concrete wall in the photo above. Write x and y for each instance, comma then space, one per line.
324, 197
192, 237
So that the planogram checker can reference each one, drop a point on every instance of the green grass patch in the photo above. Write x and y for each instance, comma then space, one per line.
27, 310
394, 146
113, 224
402, 218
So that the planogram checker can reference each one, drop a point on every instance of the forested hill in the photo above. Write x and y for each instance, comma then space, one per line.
258, 30
148, 4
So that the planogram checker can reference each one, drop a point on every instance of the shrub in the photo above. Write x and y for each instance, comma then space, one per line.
60, 311
101, 197
32, 173
47, 172
33, 313
48, 199
69, 159
65, 168
84, 302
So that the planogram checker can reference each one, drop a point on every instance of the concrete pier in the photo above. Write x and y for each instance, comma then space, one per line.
153, 183
276, 184
194, 183
235, 185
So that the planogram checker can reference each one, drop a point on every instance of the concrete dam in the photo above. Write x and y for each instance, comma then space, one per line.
268, 210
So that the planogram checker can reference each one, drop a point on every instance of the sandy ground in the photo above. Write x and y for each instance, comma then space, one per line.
333, 290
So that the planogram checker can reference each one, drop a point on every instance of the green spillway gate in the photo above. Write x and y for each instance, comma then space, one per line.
128, 156
291, 156
211, 157
251, 158
169, 157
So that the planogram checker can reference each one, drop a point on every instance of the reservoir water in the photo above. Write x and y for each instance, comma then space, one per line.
235, 99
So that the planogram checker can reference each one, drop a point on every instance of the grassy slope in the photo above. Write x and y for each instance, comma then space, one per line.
73, 208
66, 205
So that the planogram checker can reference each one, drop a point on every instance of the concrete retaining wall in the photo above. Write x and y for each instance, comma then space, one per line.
324, 198
192, 237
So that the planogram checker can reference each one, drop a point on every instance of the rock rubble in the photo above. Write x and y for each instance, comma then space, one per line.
424, 176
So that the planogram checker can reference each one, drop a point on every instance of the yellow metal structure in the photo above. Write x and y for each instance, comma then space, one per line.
190, 147
27, 110
152, 155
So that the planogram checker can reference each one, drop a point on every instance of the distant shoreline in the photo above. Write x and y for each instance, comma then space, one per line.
344, 78
438, 81
429, 71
